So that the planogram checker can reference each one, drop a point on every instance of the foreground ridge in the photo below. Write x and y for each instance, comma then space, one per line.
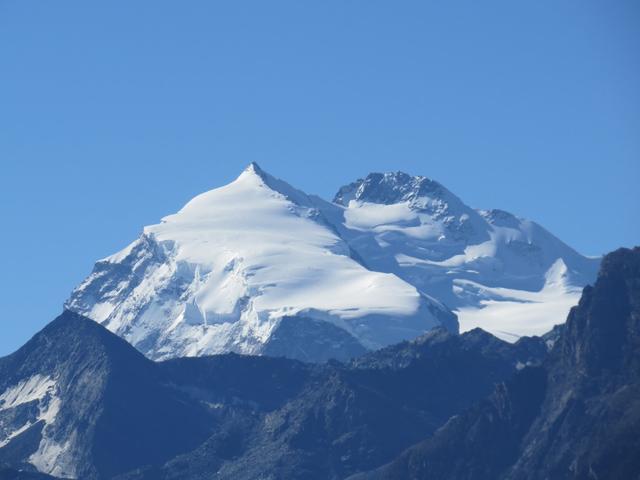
79, 402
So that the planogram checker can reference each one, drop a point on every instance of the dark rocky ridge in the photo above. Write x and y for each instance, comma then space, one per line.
8, 473
242, 416
113, 407
576, 416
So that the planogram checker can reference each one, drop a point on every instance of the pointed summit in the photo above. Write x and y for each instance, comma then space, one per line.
253, 173
251, 188
254, 176
253, 169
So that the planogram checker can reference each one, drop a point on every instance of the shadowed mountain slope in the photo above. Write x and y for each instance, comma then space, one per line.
575, 416
77, 401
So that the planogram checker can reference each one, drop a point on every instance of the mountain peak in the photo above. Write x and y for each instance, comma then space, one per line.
254, 172
255, 177
389, 188
254, 169
252, 187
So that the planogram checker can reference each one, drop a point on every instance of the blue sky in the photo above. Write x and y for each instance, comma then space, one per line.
113, 114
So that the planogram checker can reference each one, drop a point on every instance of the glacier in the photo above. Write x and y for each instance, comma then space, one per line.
496, 271
392, 256
222, 273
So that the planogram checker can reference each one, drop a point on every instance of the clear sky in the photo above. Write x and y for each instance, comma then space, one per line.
114, 114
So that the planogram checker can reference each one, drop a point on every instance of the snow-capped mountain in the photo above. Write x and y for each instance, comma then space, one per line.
260, 267
499, 272
229, 268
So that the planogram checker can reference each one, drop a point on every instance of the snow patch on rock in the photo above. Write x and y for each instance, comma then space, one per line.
28, 390
51, 457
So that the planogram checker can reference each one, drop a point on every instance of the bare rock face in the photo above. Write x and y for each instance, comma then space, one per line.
79, 402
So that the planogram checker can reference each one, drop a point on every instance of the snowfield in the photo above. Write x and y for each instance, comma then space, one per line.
391, 257
496, 271
218, 275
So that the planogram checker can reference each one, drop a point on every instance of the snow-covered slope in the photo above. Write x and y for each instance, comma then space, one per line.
260, 267
499, 272
222, 273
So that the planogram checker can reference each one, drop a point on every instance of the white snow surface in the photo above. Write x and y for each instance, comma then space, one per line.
496, 271
54, 458
381, 262
510, 313
28, 390
219, 274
